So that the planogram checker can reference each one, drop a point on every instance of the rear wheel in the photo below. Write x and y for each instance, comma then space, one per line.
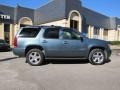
34, 57
97, 57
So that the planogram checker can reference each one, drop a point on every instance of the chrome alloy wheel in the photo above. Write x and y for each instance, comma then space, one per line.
34, 58
98, 57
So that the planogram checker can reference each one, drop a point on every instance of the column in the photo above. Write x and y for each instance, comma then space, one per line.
11, 34
111, 35
16, 28
116, 35
1, 30
90, 31
101, 36
119, 35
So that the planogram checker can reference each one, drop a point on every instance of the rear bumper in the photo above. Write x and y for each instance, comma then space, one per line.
19, 52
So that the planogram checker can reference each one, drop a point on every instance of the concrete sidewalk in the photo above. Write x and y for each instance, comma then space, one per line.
115, 49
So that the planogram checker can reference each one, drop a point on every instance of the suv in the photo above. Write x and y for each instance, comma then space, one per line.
38, 43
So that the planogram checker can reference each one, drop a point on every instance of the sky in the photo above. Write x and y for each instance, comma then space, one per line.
107, 7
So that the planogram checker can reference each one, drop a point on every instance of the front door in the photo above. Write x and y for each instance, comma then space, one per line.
71, 44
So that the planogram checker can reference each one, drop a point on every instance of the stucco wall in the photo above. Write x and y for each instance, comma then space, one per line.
62, 22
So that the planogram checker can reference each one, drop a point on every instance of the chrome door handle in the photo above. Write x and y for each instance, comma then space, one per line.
44, 41
65, 42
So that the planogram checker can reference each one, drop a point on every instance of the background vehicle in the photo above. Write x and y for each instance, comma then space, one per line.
50, 42
4, 46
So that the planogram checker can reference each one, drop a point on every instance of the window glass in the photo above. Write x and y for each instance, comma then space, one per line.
70, 34
52, 33
29, 32
2, 41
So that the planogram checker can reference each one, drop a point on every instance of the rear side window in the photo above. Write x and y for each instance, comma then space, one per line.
29, 32
52, 33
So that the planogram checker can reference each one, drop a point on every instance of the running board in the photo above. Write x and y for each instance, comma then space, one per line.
65, 58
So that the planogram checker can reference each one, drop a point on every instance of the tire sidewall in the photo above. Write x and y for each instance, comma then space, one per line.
91, 55
41, 55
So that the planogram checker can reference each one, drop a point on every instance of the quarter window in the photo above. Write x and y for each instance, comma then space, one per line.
52, 33
29, 32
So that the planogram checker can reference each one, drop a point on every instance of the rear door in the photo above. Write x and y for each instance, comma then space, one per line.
51, 42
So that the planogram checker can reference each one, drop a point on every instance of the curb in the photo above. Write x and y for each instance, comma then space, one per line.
116, 52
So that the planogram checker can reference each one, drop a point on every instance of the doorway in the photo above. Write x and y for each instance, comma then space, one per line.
74, 24
75, 20
25, 21
7, 33
23, 25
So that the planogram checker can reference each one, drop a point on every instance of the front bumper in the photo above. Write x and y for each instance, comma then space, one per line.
109, 53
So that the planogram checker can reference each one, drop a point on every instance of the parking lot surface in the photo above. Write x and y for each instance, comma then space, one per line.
15, 74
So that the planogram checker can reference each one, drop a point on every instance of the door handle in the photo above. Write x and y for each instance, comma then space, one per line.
65, 42
44, 41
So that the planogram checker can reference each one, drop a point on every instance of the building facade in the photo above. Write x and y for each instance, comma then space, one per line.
66, 13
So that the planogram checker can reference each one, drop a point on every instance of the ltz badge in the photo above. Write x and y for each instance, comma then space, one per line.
2, 16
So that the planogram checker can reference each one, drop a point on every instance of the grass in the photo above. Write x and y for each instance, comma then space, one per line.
114, 42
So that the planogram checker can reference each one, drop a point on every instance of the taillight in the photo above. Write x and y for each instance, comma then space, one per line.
15, 42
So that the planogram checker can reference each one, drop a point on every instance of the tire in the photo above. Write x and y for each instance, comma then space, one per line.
35, 57
97, 57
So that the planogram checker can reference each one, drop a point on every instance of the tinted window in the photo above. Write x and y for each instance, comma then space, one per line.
29, 32
70, 34
52, 33
2, 41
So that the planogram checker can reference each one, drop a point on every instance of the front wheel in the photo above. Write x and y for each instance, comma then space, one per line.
97, 57
34, 57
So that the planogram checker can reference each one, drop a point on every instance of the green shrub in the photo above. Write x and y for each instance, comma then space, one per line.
114, 42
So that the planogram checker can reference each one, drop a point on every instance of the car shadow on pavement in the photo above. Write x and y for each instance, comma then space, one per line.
108, 61
5, 50
8, 59
66, 62
86, 61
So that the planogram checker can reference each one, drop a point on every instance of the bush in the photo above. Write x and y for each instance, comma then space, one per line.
114, 42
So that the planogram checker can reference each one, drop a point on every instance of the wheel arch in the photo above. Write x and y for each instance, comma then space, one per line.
98, 47
33, 47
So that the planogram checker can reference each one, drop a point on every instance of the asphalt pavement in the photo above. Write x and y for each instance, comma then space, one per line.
15, 74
